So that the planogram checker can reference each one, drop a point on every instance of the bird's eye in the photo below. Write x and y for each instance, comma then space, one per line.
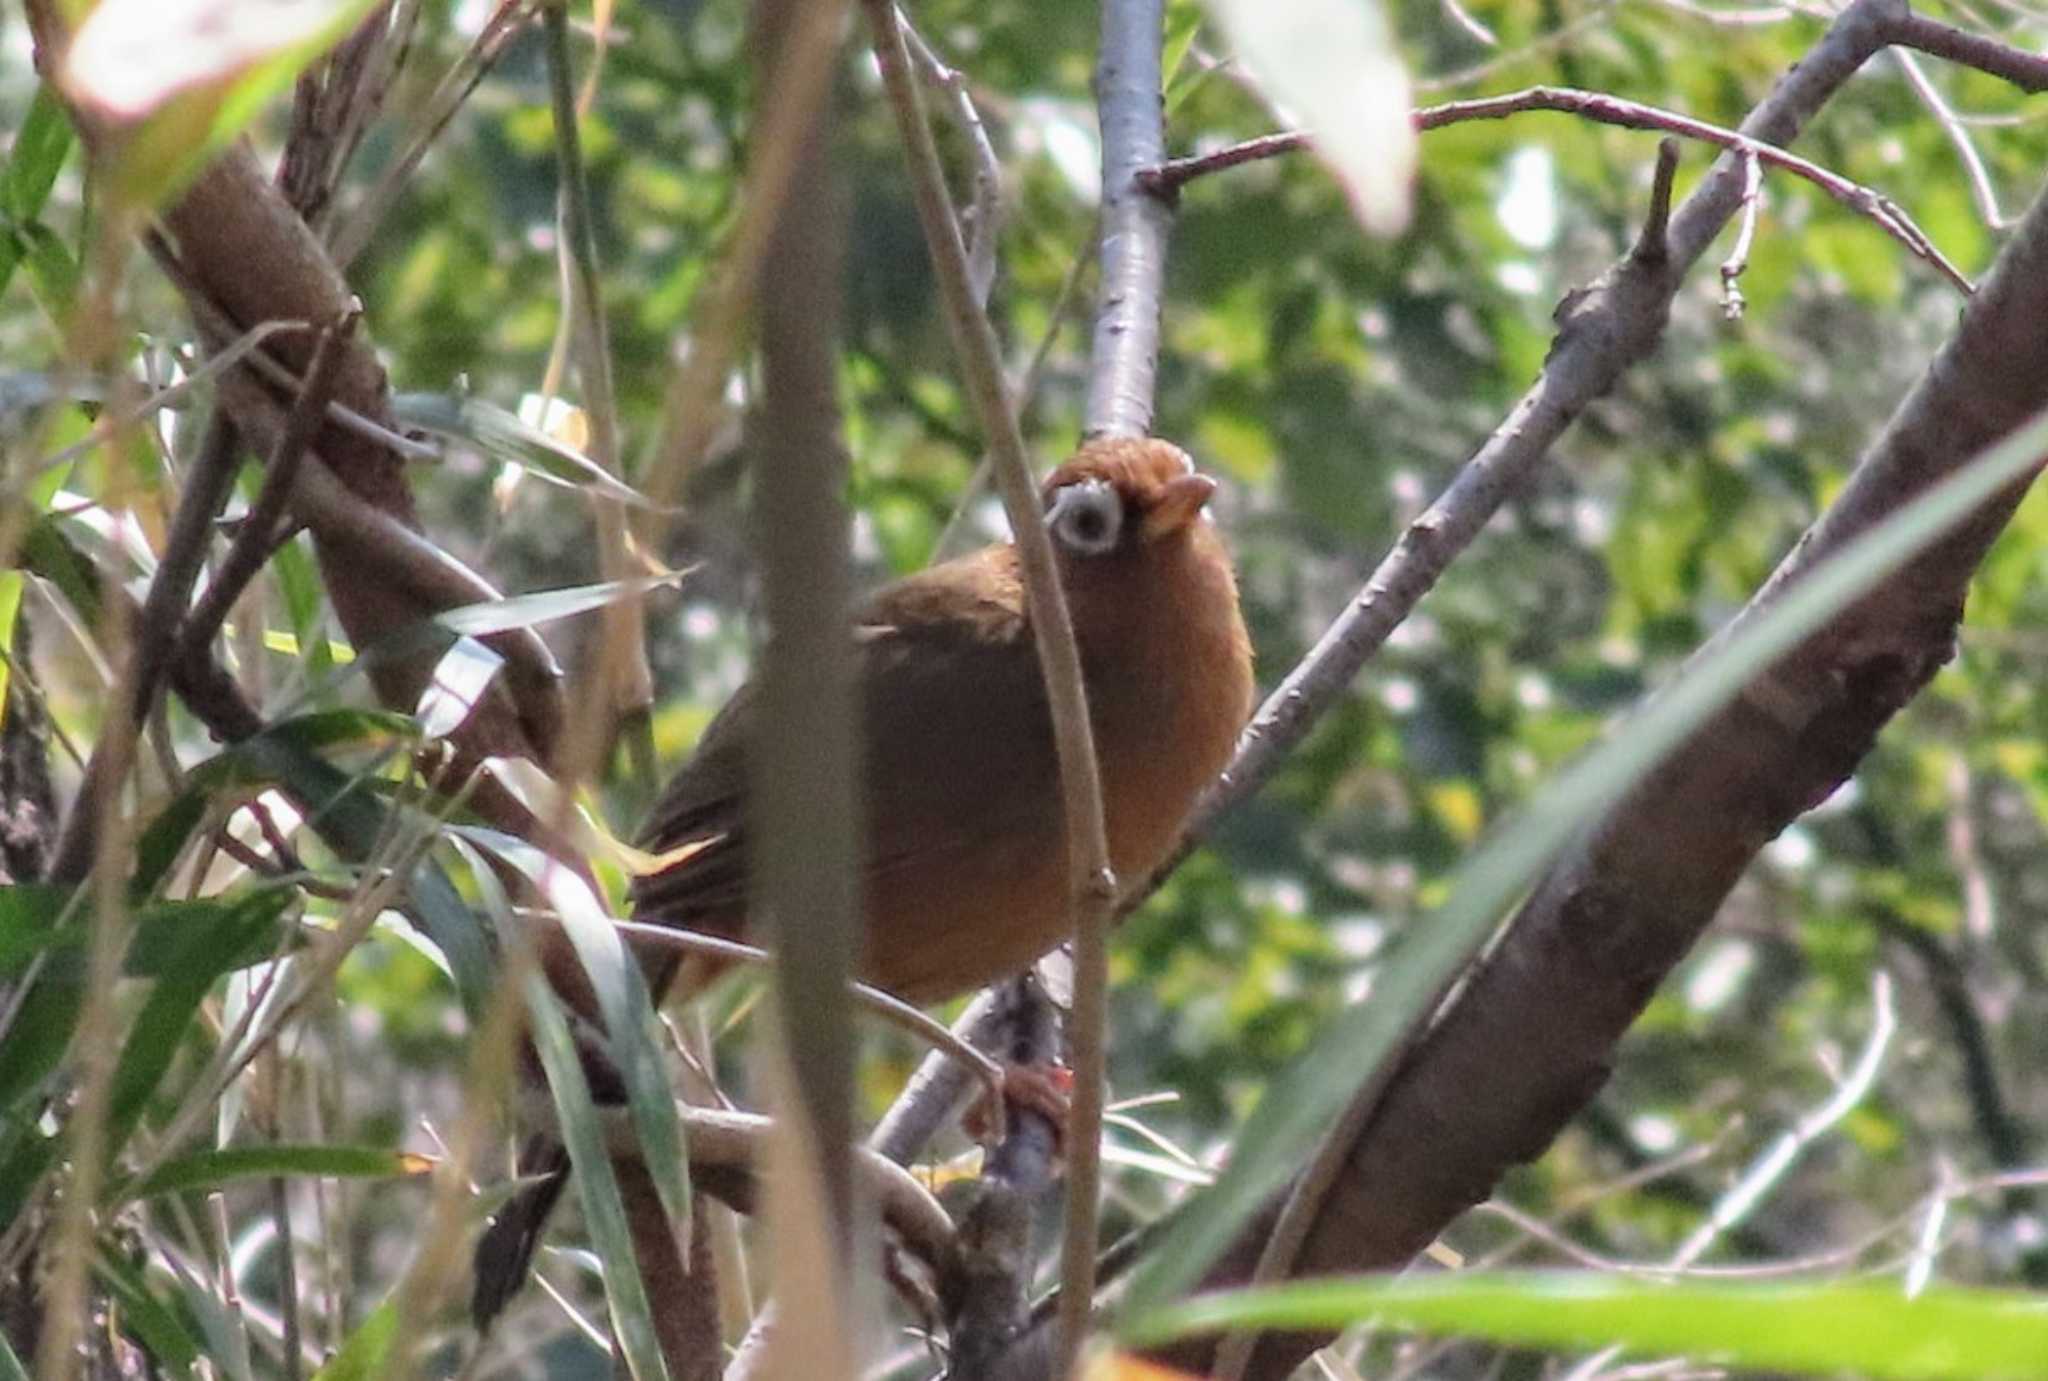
1086, 518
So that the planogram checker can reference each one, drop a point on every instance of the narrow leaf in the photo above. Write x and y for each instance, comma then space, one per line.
365, 1355
203, 1171
624, 1003
598, 1187
1864, 1329
504, 437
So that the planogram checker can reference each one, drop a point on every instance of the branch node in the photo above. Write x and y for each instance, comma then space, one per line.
1652, 248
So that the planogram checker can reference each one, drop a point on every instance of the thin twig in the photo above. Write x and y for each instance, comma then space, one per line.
1092, 882
1973, 165
206, 490
217, 326
1467, 23
1541, 46
984, 216
1927, 1247
693, 407
169, 396
952, 537
1771, 1166
257, 538
1733, 267
351, 234
1881, 210
626, 683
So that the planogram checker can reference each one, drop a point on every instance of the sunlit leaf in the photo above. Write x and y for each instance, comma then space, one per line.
506, 438
546, 606
458, 684
166, 81
1332, 65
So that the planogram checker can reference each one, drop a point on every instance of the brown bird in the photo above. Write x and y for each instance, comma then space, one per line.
965, 867
964, 875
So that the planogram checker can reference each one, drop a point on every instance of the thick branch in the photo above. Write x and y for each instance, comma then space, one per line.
1616, 914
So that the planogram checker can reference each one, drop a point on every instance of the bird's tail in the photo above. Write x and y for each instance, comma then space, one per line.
504, 1254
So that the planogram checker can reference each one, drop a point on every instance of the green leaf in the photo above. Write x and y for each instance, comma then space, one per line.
52, 270
170, 1341
368, 1349
30, 916
623, 1002
583, 1133
506, 438
10, 607
1300, 1105
546, 606
38, 155
212, 937
304, 602
203, 1171
349, 817
161, 948
1863, 1329
40, 148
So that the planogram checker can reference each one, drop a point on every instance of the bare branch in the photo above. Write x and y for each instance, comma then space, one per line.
1135, 222
259, 531
153, 639
2027, 71
1738, 254
1881, 210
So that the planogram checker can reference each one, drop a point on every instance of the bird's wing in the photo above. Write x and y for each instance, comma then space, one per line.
702, 807
955, 737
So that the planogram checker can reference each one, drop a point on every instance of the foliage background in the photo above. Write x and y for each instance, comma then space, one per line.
1334, 383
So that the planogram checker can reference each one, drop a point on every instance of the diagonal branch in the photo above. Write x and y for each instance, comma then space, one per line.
1602, 330
1617, 912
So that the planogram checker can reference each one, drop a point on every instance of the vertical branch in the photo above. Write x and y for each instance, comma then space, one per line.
1093, 883
803, 766
1134, 221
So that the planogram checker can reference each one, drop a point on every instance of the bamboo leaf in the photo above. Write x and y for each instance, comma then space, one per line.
1862, 1328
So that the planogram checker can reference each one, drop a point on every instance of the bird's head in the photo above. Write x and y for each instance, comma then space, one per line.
1123, 496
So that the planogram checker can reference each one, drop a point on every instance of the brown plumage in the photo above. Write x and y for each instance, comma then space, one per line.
965, 867
964, 875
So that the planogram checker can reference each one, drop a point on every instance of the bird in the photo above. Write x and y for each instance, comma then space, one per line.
964, 874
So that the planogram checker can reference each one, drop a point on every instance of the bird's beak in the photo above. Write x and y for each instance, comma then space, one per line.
1179, 501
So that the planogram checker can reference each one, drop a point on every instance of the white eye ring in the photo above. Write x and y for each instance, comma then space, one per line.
1087, 517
